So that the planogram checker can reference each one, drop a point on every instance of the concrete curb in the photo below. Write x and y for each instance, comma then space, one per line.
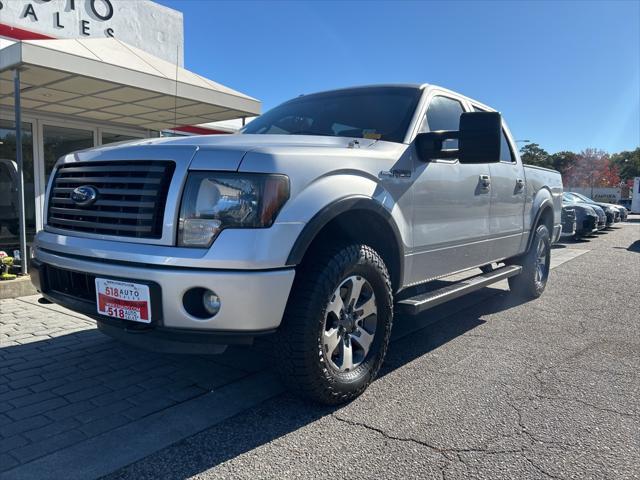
20, 287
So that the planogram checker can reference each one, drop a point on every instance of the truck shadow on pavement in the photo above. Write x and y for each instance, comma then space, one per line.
264, 424
73, 387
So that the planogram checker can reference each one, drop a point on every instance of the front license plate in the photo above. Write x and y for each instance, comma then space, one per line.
123, 300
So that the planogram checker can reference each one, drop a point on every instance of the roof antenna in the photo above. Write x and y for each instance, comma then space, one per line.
175, 96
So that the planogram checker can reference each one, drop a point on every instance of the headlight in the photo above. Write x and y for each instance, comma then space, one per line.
213, 201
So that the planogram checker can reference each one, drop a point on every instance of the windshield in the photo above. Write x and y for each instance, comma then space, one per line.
581, 197
378, 113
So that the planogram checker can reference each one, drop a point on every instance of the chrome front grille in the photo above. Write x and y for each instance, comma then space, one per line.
130, 201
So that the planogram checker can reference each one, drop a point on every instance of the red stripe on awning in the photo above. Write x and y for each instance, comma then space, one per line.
21, 34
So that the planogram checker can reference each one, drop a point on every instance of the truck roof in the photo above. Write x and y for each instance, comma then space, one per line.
417, 86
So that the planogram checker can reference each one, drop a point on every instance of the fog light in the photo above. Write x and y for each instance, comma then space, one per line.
211, 302
201, 303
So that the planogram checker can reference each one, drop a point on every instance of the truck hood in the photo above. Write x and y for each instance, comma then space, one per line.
218, 152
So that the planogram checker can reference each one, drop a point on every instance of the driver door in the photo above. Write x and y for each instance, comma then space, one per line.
451, 203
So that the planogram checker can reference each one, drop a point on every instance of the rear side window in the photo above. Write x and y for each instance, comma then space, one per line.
505, 150
506, 155
443, 114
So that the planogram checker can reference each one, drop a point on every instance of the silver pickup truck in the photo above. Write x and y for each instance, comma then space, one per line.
305, 232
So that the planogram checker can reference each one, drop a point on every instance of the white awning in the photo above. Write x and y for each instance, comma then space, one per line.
110, 81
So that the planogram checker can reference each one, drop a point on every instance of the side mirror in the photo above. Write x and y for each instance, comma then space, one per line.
478, 140
480, 134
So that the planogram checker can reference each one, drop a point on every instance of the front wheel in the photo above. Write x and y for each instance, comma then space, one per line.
531, 282
336, 328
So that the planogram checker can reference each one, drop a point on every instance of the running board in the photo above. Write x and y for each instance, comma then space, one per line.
424, 301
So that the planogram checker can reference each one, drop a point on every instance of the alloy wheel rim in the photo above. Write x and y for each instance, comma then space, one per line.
541, 262
350, 324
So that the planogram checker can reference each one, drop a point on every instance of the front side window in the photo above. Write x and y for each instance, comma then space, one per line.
378, 113
443, 114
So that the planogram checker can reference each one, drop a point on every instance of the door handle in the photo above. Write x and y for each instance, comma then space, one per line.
485, 181
519, 184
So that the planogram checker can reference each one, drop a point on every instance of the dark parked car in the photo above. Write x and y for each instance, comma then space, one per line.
9, 197
586, 219
612, 214
620, 213
626, 203
568, 220
603, 220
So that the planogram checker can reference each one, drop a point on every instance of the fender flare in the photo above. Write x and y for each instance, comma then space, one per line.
331, 211
546, 204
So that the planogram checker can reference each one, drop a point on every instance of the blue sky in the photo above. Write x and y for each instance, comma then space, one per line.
565, 74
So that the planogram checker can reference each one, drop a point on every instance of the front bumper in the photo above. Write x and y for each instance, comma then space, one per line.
251, 301
588, 226
569, 228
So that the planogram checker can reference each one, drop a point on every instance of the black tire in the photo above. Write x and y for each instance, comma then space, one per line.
304, 365
531, 283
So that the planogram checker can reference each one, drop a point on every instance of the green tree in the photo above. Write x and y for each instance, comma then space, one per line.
532, 154
628, 163
563, 161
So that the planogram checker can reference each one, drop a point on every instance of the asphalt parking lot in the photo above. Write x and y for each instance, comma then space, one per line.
485, 387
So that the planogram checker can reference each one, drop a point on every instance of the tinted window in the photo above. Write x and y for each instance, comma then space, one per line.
444, 114
506, 155
381, 113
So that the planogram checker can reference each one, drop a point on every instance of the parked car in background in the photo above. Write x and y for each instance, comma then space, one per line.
585, 208
626, 203
586, 219
602, 216
568, 220
9, 196
620, 213
612, 214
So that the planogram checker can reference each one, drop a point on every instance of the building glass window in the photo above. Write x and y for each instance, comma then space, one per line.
9, 206
59, 141
116, 137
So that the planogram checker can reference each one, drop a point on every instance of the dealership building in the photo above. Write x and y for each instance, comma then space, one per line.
93, 72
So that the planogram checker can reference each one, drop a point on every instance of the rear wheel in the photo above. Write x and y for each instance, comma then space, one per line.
337, 325
531, 282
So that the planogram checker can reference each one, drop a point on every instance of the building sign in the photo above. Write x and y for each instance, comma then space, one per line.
141, 23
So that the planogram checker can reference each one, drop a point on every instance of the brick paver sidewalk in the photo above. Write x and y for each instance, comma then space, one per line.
63, 382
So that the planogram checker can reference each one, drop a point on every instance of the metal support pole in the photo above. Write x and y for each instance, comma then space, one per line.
19, 160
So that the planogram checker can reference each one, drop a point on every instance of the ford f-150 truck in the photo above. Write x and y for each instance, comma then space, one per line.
305, 232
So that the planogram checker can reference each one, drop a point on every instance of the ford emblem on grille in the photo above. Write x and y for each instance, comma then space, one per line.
84, 196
